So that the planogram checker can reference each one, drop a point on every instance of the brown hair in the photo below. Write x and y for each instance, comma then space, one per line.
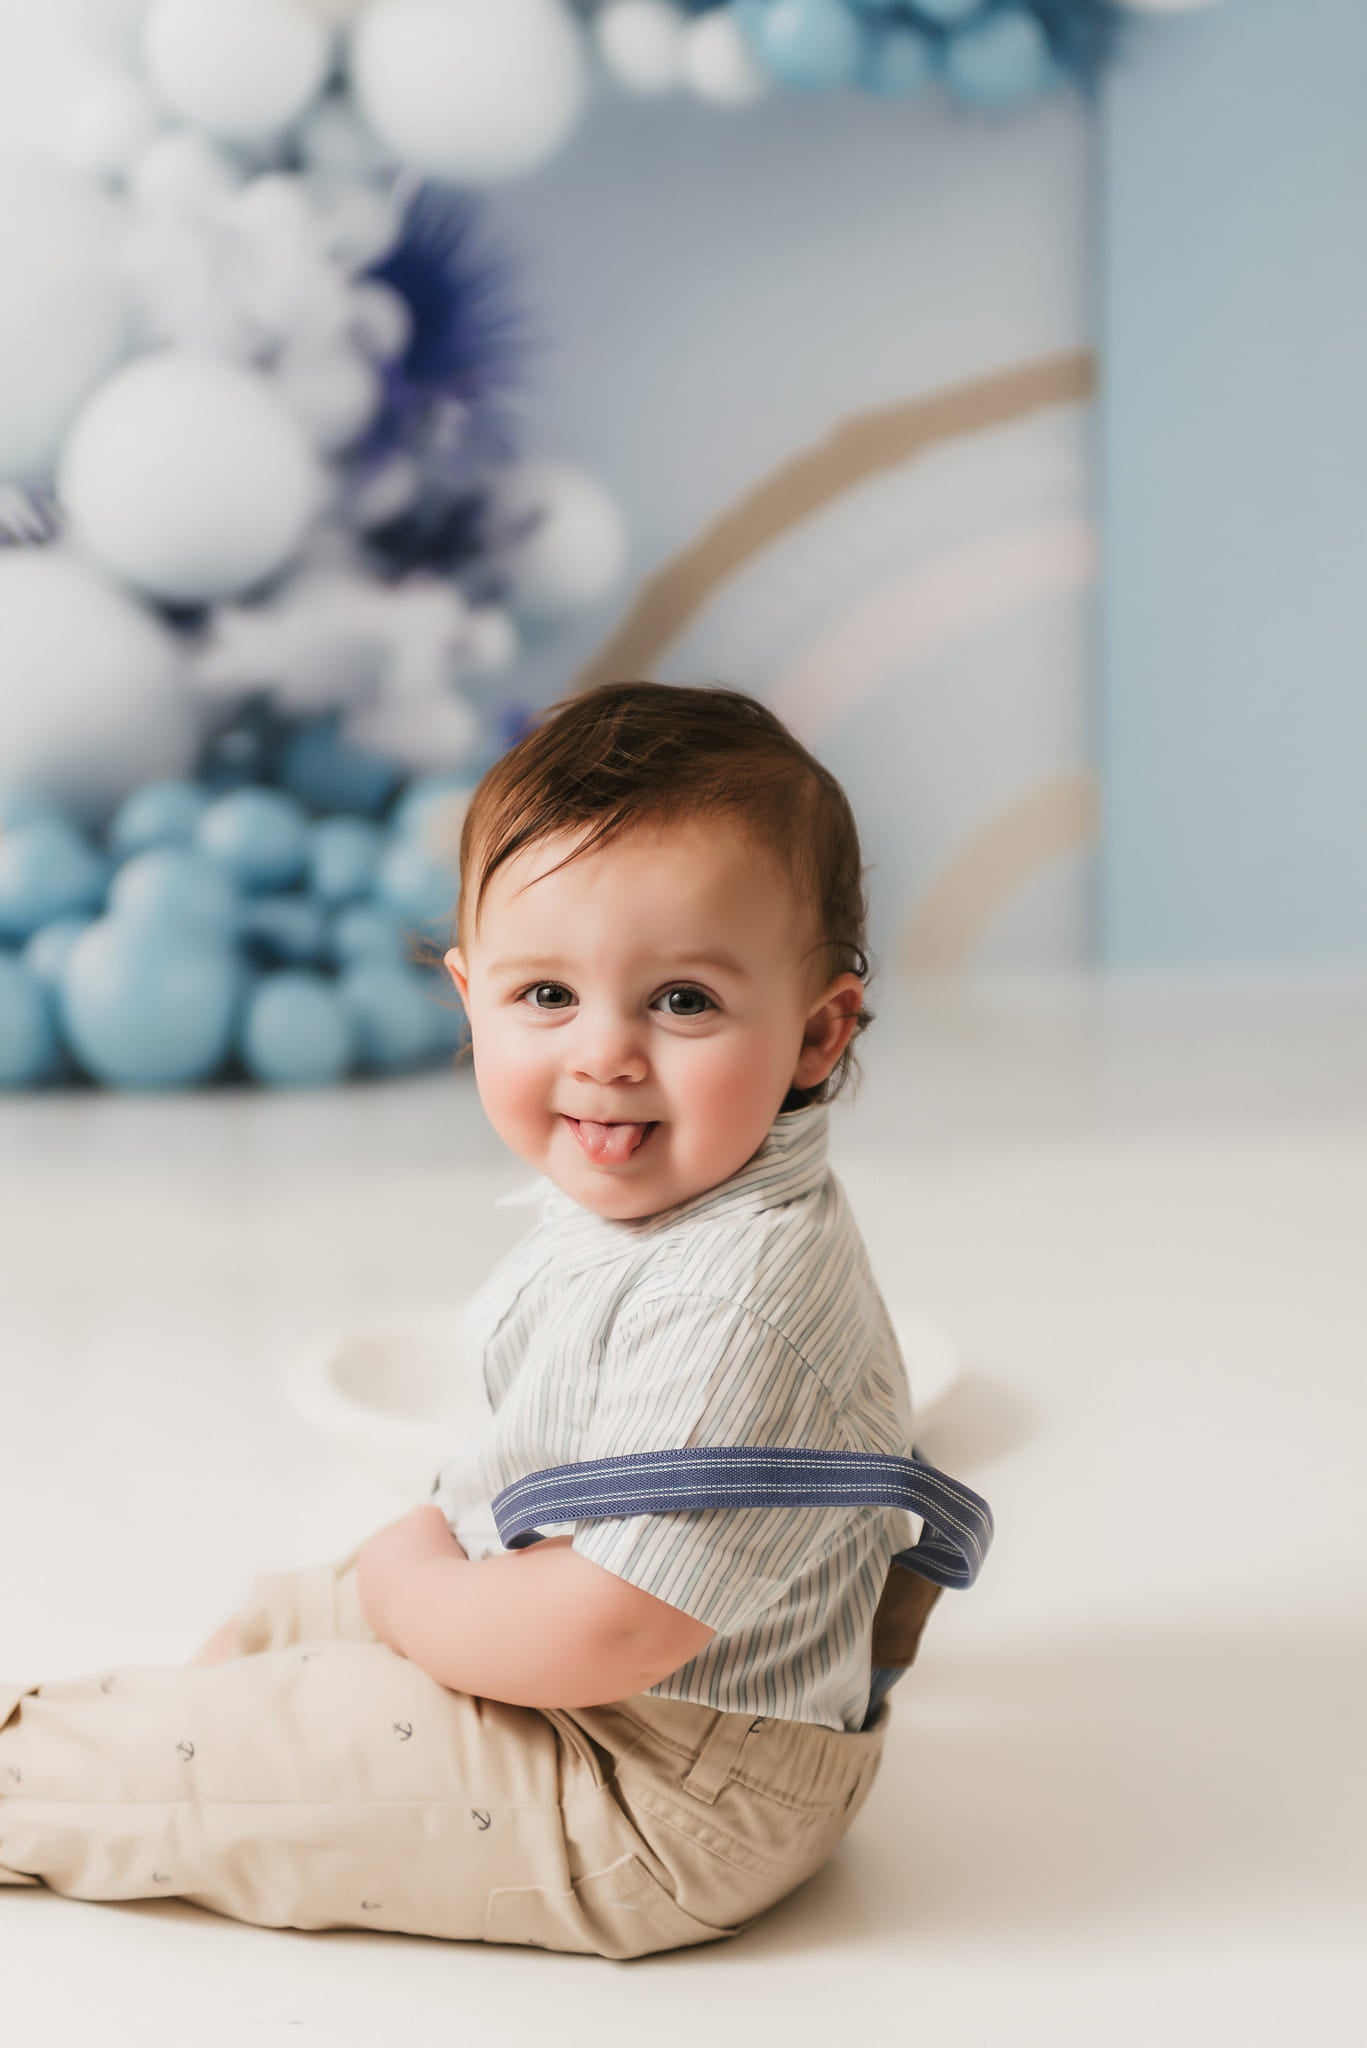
629, 754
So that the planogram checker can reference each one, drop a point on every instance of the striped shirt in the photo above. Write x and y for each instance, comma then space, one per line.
747, 1314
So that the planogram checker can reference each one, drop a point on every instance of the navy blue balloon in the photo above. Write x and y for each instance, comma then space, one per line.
29, 1049
176, 886
259, 834
328, 774
144, 1007
158, 814
47, 870
297, 1031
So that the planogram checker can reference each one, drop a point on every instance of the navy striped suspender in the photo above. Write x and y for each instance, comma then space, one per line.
958, 1522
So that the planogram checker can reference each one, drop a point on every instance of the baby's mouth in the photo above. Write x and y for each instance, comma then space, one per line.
610, 1144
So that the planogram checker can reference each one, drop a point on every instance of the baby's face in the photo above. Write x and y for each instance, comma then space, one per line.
657, 982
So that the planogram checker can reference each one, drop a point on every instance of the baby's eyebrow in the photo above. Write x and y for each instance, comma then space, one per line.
524, 964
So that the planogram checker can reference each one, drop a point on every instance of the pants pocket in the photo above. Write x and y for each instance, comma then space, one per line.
621, 1912
579, 1742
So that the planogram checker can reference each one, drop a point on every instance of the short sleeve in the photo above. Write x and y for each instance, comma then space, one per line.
691, 1369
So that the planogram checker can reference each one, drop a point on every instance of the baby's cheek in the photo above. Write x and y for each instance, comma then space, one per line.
512, 1087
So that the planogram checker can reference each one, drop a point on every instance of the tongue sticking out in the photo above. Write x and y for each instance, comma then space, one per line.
611, 1142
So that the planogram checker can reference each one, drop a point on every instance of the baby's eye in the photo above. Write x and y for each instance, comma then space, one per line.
700, 995
538, 986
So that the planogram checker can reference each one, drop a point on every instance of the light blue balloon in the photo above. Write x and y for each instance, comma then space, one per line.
297, 1032
422, 804
343, 856
176, 886
158, 814
409, 880
999, 62
29, 1049
896, 61
949, 13
260, 835
45, 953
17, 807
369, 934
47, 870
144, 1007
391, 1009
450, 1024
811, 44
292, 928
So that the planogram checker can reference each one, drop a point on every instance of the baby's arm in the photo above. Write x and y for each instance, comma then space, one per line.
540, 1627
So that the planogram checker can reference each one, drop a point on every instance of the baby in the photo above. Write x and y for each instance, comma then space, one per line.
642, 1731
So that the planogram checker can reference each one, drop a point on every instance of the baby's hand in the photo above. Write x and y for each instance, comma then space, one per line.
384, 1558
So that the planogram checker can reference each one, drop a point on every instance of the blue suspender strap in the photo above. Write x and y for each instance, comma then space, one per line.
954, 1542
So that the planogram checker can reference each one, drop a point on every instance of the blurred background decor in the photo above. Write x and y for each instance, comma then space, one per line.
283, 569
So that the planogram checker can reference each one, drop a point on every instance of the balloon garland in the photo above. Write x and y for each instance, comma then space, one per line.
263, 513
987, 54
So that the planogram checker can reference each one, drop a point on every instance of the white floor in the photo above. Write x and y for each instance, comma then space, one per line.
1125, 1791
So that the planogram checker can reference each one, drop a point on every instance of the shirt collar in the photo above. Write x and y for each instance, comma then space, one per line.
790, 1163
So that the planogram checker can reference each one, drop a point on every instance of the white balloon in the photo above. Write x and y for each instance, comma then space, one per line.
183, 173
336, 10
93, 700
719, 63
577, 548
380, 320
333, 138
470, 93
334, 394
490, 639
358, 224
642, 43
112, 122
319, 640
65, 311
416, 732
383, 495
243, 69
107, 28
189, 477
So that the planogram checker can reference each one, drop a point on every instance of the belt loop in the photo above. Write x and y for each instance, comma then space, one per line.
717, 1758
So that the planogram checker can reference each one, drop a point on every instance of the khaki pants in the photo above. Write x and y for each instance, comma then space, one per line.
317, 1779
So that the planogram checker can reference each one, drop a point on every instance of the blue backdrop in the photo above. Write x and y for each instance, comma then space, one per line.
1234, 472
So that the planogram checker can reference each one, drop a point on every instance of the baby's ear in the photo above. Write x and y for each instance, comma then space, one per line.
455, 967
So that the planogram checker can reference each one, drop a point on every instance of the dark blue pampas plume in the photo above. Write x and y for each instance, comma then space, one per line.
468, 338
446, 402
